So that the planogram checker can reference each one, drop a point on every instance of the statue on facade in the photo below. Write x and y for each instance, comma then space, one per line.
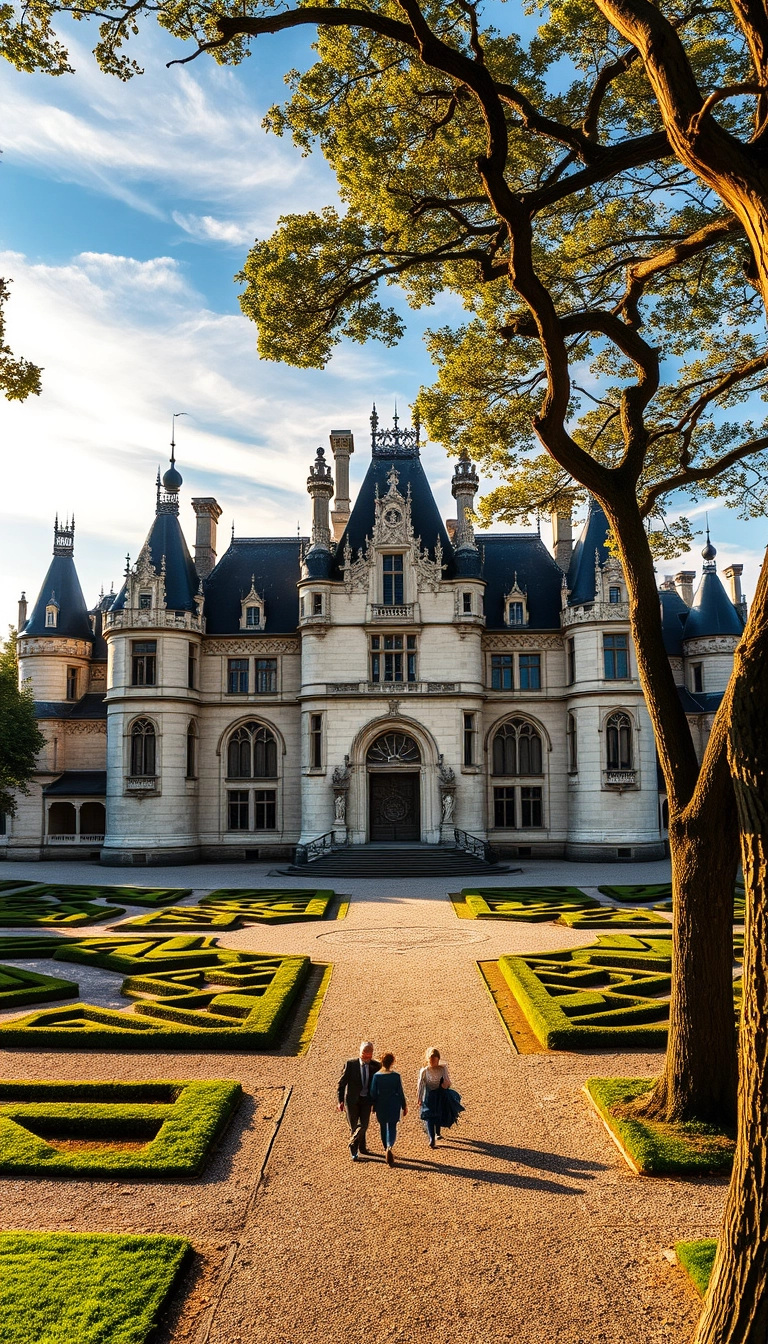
340, 807
448, 801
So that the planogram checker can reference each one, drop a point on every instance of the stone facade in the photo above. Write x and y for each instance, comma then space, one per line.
389, 678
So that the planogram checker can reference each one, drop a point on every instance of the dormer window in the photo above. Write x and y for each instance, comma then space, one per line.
52, 613
252, 609
614, 596
145, 601
393, 585
516, 606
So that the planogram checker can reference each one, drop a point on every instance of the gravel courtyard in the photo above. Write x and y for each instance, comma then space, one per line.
524, 1225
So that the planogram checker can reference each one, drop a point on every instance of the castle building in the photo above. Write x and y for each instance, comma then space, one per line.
391, 678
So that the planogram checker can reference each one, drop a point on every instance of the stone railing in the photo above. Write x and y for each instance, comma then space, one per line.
403, 612
141, 783
154, 618
620, 779
594, 611
391, 687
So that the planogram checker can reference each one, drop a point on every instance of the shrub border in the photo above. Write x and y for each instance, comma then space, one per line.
40, 988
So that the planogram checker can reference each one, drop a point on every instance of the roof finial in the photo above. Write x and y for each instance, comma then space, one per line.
394, 416
233, 529
127, 566
709, 552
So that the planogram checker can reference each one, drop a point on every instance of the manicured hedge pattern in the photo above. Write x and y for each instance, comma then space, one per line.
38, 907
18, 987
531, 904
610, 993
608, 917
27, 946
659, 1149
85, 1288
180, 1122
697, 1259
14, 884
660, 891
190, 995
231, 909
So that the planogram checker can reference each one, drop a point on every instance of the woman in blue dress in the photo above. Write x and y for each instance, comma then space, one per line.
389, 1101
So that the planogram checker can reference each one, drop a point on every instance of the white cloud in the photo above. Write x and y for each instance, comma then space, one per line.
208, 229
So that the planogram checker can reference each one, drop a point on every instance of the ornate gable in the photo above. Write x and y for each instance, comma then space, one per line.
393, 528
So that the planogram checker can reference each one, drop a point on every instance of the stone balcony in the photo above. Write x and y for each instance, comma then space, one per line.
401, 612
620, 779
153, 618
392, 687
141, 783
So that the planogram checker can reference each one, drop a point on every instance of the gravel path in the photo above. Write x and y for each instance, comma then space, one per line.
523, 1225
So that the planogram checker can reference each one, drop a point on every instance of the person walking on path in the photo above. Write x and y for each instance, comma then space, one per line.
388, 1102
354, 1095
440, 1104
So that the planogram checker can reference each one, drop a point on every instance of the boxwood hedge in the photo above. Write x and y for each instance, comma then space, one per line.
231, 909
18, 987
531, 904
180, 1121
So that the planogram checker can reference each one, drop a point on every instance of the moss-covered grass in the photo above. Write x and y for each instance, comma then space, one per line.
190, 995
231, 908
657, 1148
697, 1259
659, 891
611, 993
18, 987
529, 904
85, 1288
607, 917
177, 1121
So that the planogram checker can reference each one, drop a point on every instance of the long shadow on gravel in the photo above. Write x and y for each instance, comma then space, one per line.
559, 1163
483, 1176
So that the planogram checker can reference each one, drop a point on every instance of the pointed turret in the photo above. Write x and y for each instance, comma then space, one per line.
60, 609
165, 550
712, 611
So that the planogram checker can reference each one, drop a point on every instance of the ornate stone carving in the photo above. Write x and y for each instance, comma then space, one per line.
74, 648
256, 646
506, 642
711, 644
393, 527
84, 727
357, 572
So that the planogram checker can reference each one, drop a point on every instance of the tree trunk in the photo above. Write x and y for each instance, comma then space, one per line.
736, 1309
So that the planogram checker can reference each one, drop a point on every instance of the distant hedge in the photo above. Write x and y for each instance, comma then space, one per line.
18, 987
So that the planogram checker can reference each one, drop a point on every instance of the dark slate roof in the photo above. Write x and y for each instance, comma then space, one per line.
674, 614
96, 613
166, 539
702, 702
425, 515
274, 564
581, 571
74, 621
90, 706
713, 612
538, 575
78, 784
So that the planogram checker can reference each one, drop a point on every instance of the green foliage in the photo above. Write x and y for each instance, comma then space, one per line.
95, 1288
189, 994
179, 1122
20, 737
19, 378
529, 904
660, 891
38, 907
232, 908
657, 1148
115, 895
18, 987
612, 993
697, 1259
608, 917
15, 884
24, 947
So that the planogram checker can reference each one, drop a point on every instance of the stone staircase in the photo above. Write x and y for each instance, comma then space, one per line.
397, 861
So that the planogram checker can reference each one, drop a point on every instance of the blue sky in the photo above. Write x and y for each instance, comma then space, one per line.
125, 211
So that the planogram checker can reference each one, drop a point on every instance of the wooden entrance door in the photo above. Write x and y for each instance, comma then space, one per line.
394, 806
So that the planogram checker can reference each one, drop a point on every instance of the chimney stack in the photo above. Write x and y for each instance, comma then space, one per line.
342, 447
22, 612
320, 489
684, 585
733, 574
208, 514
562, 538
464, 485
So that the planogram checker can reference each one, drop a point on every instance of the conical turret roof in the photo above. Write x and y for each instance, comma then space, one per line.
61, 587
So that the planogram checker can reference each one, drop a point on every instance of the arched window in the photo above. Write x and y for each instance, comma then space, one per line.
143, 754
252, 753
192, 750
393, 749
618, 731
517, 749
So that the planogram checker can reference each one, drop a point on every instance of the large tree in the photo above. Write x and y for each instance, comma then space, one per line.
19, 378
20, 737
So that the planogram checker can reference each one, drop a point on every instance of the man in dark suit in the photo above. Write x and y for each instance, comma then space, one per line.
354, 1092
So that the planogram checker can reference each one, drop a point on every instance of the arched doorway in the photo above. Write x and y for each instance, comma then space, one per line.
393, 763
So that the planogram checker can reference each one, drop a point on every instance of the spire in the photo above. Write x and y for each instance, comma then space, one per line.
464, 485
708, 553
395, 442
64, 537
320, 489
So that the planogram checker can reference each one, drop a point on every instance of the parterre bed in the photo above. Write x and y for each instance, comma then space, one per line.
232, 909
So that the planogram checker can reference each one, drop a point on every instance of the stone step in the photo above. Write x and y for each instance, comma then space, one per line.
396, 861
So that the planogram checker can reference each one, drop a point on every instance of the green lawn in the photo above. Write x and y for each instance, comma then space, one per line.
697, 1259
75, 1288
657, 1148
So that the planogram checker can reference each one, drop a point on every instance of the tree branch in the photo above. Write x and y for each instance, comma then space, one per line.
695, 475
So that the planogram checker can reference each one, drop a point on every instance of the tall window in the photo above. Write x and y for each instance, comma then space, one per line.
237, 810
192, 667
393, 580
143, 742
615, 657
266, 676
517, 749
570, 660
515, 613
614, 595
192, 751
315, 741
237, 676
252, 753
144, 662
71, 683
618, 732
697, 677
530, 806
504, 807
502, 672
264, 810
145, 601
466, 603
393, 657
530, 671
317, 604
572, 743
469, 739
